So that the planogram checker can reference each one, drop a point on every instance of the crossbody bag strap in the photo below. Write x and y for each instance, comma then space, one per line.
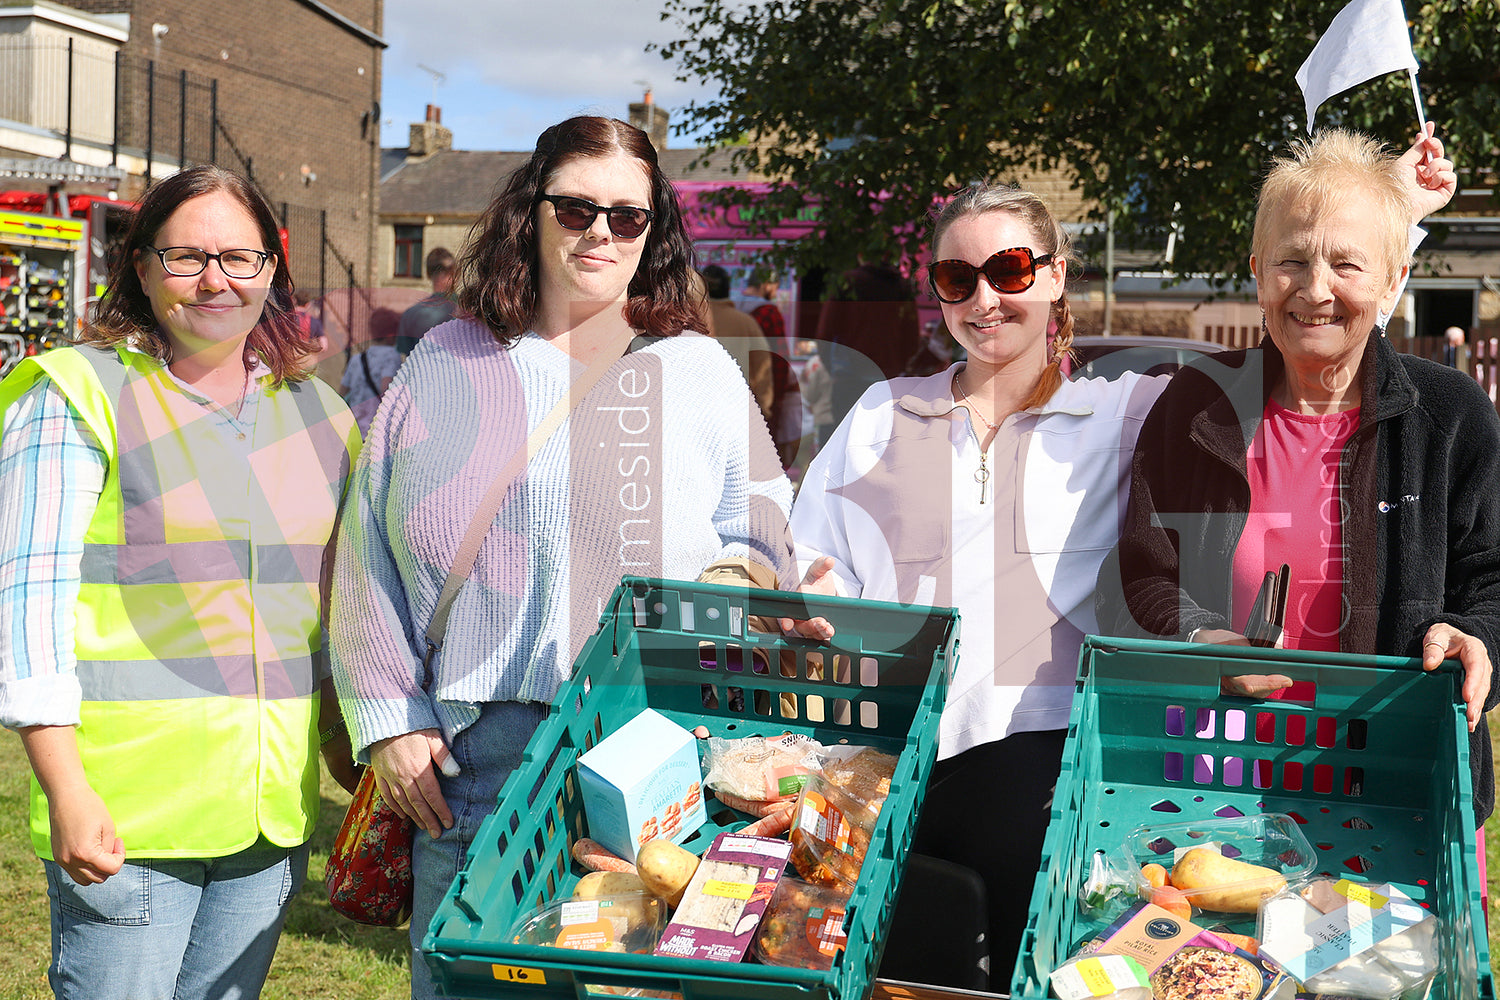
364, 360
489, 505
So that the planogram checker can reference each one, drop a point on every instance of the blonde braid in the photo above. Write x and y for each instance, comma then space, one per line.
1062, 342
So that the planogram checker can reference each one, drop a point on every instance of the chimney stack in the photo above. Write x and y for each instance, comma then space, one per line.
429, 136
646, 116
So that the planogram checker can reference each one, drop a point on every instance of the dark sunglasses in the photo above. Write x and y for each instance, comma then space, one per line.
1009, 271
624, 221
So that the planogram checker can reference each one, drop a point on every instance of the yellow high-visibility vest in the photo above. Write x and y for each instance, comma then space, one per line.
198, 622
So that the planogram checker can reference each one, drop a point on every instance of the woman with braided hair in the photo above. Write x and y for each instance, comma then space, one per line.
995, 486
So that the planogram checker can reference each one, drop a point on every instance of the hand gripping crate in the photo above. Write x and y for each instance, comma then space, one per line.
1372, 760
687, 651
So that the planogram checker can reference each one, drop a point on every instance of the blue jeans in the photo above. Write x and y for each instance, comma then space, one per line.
173, 929
487, 751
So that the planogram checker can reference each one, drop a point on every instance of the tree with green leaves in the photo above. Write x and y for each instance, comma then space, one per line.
1162, 111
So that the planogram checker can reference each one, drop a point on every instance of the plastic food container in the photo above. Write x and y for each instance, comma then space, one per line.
627, 924
803, 928
1270, 840
830, 833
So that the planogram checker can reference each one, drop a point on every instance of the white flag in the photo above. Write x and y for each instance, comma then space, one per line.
1368, 38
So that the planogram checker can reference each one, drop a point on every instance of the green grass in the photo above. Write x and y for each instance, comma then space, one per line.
322, 956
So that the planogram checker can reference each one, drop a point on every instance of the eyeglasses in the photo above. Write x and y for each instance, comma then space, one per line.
186, 262
1009, 271
624, 221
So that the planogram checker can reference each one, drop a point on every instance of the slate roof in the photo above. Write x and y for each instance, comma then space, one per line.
462, 182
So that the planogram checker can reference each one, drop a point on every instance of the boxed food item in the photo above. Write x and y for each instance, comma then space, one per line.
723, 903
830, 833
1352, 939
1186, 962
642, 782
1100, 977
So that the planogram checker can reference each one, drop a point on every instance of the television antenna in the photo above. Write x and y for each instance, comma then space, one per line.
438, 79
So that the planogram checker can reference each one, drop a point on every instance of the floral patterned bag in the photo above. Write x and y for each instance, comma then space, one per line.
369, 869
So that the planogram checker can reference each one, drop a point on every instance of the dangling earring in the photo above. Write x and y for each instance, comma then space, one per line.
1264, 331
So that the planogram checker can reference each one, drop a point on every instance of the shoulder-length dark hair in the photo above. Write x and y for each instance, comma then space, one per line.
497, 272
125, 311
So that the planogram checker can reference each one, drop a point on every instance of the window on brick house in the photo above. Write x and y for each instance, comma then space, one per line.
408, 251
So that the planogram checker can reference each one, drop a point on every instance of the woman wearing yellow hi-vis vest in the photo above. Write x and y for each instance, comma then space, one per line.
167, 495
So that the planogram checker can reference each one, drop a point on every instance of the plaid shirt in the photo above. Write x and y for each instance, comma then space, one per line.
51, 476
51, 473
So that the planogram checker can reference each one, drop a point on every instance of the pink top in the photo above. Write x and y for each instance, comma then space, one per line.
1293, 466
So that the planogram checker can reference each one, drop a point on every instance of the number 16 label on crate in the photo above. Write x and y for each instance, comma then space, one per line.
518, 974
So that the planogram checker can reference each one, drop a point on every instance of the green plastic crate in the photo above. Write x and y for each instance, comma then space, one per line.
1373, 763
683, 649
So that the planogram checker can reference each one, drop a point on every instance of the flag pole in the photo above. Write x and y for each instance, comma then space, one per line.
1416, 96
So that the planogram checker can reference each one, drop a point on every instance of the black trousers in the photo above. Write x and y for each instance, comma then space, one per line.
987, 809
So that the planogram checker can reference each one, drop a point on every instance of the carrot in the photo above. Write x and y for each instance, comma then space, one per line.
754, 807
1242, 941
1174, 901
1155, 875
597, 858
773, 824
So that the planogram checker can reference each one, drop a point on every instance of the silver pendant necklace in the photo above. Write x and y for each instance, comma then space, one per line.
972, 408
981, 474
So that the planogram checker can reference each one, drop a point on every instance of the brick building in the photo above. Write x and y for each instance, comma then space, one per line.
285, 90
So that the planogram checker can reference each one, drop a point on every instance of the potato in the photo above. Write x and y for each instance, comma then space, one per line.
596, 884
665, 868
1215, 882
632, 904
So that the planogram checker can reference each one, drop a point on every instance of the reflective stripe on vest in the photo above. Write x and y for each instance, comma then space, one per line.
197, 624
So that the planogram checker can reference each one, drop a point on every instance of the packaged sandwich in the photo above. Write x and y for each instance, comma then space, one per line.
722, 905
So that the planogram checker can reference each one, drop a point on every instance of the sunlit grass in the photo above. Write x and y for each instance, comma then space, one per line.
322, 956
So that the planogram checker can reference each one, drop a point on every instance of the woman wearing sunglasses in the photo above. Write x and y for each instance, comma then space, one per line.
999, 488
994, 486
167, 495
658, 470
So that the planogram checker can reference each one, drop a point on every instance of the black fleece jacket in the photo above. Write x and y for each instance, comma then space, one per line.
1420, 484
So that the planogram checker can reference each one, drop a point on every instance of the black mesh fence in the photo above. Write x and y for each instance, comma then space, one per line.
92, 94
166, 115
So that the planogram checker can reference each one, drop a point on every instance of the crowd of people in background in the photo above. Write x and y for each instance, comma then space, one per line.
865, 332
